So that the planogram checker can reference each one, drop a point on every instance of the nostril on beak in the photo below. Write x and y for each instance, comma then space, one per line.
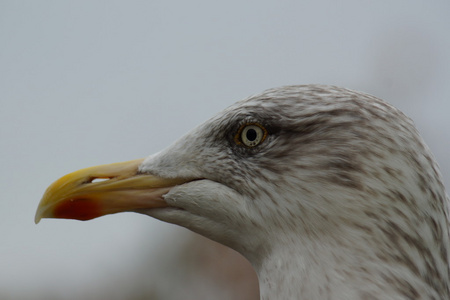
98, 179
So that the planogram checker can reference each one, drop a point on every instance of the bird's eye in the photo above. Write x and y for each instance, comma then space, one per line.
251, 135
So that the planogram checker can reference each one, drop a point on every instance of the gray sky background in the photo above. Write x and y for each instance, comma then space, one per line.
90, 82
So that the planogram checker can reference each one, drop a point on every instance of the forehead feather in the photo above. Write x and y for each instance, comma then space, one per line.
290, 106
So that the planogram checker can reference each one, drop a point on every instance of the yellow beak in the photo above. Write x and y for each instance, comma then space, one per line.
107, 189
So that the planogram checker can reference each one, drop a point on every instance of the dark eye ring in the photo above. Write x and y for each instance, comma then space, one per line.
251, 135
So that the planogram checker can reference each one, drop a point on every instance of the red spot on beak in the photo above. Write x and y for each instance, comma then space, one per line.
79, 209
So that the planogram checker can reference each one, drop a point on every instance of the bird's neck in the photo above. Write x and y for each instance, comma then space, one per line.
305, 272
336, 269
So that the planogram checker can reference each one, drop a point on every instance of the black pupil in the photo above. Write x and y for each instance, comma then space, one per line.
251, 135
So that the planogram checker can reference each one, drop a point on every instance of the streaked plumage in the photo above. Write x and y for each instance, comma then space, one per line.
341, 200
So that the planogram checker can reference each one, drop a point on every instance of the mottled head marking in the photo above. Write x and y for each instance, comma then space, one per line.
343, 186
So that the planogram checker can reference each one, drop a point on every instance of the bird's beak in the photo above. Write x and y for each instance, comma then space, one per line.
93, 192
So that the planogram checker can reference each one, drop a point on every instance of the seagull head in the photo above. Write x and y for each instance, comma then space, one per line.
296, 164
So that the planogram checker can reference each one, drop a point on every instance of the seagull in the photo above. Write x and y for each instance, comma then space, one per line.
328, 192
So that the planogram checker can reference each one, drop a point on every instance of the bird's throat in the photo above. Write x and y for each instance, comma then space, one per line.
334, 271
